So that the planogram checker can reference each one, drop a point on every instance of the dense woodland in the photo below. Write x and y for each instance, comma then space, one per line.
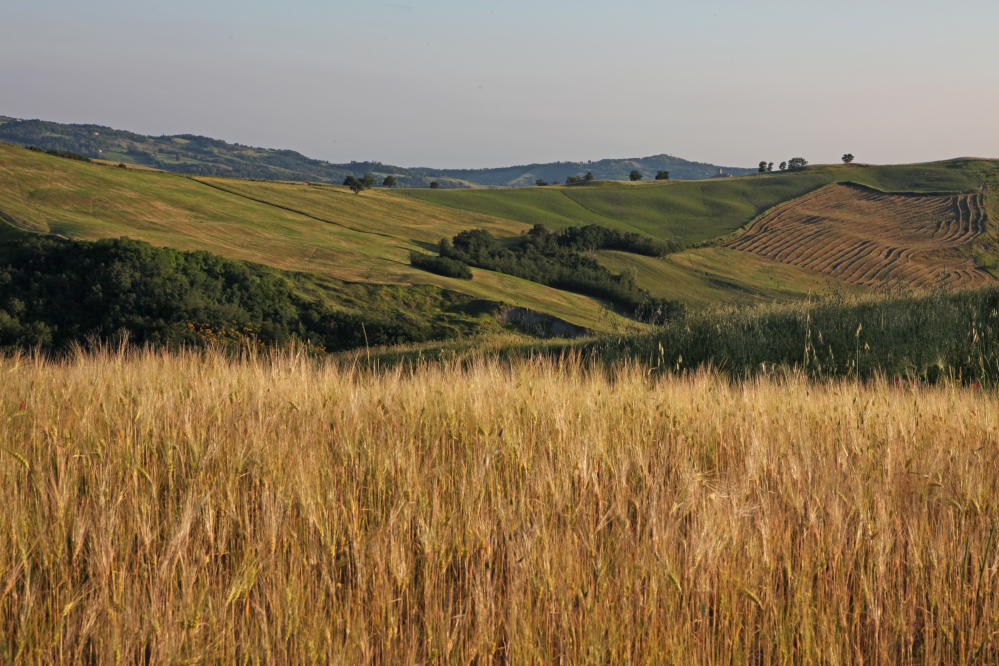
54, 292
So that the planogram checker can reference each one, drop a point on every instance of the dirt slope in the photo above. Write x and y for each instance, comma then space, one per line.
865, 237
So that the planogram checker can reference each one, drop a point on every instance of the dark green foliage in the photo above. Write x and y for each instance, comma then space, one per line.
848, 158
55, 291
662, 175
540, 182
763, 167
557, 260
356, 186
572, 180
797, 163
919, 338
635, 175
369, 181
783, 166
434, 185
69, 155
596, 237
770, 166
588, 177
389, 181
121, 165
440, 265
35, 149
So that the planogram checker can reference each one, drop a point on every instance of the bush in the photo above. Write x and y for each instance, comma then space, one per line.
68, 155
440, 265
557, 260
55, 291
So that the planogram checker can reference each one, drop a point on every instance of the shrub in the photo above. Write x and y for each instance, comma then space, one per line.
440, 265
68, 155
55, 291
557, 260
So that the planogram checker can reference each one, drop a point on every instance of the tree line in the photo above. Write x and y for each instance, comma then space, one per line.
54, 292
560, 259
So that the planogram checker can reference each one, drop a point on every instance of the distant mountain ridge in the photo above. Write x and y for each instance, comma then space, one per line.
199, 155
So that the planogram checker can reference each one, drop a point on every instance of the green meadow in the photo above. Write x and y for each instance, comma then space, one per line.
689, 211
343, 239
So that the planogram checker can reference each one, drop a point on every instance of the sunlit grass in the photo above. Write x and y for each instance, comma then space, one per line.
192, 508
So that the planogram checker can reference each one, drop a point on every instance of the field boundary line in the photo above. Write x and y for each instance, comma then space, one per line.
604, 217
293, 210
732, 235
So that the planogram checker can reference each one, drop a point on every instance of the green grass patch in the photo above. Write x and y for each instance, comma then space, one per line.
690, 211
325, 231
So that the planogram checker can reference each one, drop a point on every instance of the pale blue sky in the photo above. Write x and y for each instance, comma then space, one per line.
473, 84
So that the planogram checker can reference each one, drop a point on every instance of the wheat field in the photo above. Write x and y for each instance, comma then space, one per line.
181, 508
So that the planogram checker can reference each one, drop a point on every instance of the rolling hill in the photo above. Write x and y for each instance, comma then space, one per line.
344, 241
199, 155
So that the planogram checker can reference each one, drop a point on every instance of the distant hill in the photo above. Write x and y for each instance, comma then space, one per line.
204, 156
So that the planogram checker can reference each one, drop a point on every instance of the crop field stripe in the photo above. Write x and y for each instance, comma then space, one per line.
866, 237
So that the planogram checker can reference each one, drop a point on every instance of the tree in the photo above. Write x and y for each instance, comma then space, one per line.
389, 181
847, 158
797, 163
369, 180
588, 177
635, 174
354, 184
573, 179
434, 185
662, 175
783, 165
770, 166
540, 182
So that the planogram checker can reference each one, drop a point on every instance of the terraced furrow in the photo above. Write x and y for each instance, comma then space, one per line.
874, 238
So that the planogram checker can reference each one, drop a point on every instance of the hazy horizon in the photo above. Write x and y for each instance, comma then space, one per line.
460, 85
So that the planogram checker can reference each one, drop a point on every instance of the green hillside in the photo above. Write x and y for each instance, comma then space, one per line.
344, 240
690, 211
347, 240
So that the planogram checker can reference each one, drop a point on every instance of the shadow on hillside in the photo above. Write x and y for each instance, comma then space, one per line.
423, 245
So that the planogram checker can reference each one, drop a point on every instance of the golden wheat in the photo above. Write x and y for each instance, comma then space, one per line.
181, 508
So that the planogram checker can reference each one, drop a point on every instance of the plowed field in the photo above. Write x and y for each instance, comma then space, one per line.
870, 238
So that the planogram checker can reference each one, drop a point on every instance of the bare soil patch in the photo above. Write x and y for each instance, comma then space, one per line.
865, 237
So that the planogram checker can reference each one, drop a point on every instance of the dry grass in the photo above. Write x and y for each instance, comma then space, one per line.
162, 508
870, 238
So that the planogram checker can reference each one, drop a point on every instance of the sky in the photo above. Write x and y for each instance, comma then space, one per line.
474, 84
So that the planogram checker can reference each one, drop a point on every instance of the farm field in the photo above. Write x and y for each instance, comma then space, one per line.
714, 275
689, 211
169, 508
46, 194
335, 235
865, 237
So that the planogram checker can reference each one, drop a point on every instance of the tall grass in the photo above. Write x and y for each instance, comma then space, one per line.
923, 337
169, 508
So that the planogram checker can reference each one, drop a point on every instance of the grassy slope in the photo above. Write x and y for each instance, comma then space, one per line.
712, 275
329, 231
691, 211
52, 195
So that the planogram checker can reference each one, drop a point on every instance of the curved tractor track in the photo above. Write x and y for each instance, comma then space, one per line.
871, 238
